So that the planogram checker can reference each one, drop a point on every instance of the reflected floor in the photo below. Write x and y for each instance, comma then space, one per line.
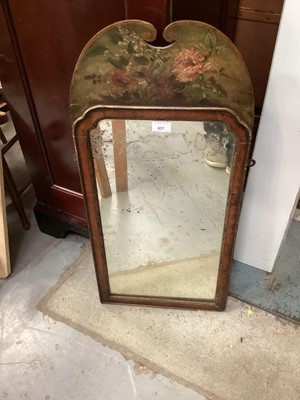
194, 278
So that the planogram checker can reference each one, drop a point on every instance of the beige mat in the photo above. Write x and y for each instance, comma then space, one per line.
240, 354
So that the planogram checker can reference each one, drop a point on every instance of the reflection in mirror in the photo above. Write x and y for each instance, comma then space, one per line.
162, 188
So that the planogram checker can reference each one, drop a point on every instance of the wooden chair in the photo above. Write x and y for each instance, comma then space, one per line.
9, 183
4, 249
120, 161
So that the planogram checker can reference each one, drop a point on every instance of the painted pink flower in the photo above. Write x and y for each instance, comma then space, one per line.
188, 64
123, 79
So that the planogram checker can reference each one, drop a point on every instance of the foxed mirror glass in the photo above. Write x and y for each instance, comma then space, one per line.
162, 136
162, 188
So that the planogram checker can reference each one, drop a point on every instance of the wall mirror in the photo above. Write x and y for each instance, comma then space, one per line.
162, 182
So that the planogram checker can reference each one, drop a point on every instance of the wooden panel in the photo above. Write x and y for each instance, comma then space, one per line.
158, 12
273, 6
120, 154
39, 44
246, 23
209, 11
257, 57
51, 38
252, 25
253, 15
102, 177
16, 93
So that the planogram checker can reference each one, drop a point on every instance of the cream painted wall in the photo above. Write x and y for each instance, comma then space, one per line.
273, 184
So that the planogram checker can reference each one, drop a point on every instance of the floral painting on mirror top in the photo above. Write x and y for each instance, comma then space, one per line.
200, 68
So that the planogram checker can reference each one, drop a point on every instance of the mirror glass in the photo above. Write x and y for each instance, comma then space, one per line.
162, 188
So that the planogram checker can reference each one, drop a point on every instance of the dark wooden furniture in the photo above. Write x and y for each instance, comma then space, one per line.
14, 192
39, 45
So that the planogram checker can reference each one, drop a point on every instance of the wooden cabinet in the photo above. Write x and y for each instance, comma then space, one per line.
40, 42
251, 24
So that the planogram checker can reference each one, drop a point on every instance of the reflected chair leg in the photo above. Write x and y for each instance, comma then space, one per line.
102, 177
120, 154
2, 137
13, 192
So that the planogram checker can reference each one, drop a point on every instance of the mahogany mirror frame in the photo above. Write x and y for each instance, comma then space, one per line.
81, 132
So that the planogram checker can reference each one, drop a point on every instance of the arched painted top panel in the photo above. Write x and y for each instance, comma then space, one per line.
200, 68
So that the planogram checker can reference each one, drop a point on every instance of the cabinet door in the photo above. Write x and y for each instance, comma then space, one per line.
251, 24
46, 39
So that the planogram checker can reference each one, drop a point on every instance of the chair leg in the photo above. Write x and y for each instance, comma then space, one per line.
102, 177
2, 137
5, 268
120, 154
12, 190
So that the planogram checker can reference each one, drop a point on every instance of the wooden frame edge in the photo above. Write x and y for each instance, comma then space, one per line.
81, 130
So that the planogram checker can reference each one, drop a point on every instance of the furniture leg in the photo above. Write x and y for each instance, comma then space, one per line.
102, 177
5, 268
120, 154
12, 190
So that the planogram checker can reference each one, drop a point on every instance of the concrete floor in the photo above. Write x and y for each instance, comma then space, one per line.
44, 359
41, 359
